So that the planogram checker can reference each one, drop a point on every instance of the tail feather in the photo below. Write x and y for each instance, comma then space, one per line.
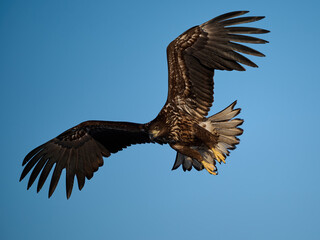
227, 127
227, 124
231, 140
230, 131
226, 114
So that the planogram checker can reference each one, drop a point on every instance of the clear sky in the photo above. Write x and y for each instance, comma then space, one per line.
64, 62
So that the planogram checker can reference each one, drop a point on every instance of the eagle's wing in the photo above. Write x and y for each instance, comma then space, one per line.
195, 54
80, 150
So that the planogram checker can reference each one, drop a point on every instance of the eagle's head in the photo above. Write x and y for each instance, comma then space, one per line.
157, 130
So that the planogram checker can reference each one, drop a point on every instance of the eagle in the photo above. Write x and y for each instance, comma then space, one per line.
200, 141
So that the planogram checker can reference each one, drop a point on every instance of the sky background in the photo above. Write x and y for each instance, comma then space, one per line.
64, 62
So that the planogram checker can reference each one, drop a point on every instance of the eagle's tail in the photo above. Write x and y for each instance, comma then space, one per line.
227, 128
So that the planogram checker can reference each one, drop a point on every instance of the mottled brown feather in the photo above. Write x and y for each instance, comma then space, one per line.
195, 54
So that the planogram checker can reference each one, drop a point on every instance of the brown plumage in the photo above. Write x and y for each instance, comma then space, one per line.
182, 122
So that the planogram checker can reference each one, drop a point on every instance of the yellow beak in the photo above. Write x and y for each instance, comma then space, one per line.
154, 133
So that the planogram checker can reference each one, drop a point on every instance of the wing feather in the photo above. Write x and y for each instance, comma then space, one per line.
243, 49
37, 170
71, 170
59, 165
80, 150
245, 30
195, 54
225, 16
80, 171
240, 20
45, 172
246, 39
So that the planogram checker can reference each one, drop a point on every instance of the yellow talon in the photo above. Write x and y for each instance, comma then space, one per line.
209, 167
218, 155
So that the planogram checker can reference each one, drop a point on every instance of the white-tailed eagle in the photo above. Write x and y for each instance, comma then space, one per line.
200, 141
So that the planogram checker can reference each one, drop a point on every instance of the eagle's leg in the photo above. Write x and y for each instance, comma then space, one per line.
210, 140
194, 154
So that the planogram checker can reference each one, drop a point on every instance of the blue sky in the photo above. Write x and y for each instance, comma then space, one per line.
64, 62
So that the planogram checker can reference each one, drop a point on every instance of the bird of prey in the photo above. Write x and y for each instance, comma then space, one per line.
200, 141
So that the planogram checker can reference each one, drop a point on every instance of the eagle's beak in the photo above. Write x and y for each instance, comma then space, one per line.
153, 134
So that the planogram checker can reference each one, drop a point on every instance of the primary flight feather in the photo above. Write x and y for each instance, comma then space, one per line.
200, 141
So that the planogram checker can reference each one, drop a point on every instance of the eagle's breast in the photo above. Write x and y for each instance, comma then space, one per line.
180, 124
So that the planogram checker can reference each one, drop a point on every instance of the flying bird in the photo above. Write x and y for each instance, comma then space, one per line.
199, 141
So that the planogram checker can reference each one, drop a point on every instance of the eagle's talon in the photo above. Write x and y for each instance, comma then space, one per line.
219, 156
209, 167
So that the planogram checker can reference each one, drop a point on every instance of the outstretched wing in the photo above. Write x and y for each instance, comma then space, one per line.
80, 150
195, 54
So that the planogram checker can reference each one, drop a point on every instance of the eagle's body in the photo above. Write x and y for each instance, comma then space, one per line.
199, 140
